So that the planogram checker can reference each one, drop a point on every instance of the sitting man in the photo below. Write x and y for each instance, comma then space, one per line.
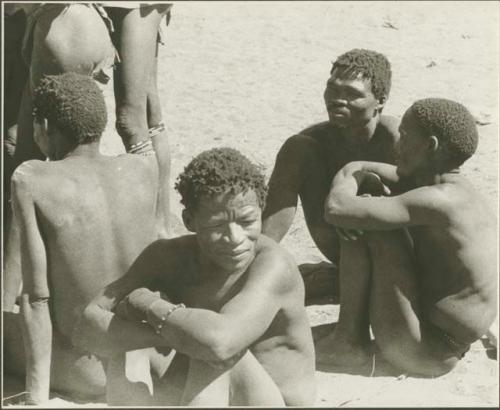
355, 95
83, 218
233, 304
424, 272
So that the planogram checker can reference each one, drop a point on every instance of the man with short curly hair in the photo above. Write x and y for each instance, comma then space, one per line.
355, 95
232, 304
426, 264
82, 218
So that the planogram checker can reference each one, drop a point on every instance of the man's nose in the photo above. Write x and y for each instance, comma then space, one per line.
234, 233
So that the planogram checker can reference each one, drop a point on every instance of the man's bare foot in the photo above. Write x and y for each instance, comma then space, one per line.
338, 351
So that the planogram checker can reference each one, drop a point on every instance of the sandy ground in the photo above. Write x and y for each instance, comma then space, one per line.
249, 75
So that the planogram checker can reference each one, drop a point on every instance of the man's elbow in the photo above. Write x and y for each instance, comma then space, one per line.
333, 211
222, 347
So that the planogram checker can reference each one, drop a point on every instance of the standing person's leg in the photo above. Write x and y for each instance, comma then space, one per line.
161, 145
403, 338
137, 104
349, 343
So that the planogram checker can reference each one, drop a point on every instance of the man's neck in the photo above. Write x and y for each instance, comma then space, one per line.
85, 150
434, 178
361, 132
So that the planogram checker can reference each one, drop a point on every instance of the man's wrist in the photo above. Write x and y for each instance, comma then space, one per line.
159, 311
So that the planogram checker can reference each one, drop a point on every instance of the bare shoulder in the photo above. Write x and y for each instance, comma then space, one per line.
317, 130
136, 163
273, 262
30, 176
307, 141
389, 126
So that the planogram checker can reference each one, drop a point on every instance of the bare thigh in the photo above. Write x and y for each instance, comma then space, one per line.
71, 39
395, 312
251, 385
65, 39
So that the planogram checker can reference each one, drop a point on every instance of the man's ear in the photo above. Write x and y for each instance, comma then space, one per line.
433, 143
381, 103
187, 218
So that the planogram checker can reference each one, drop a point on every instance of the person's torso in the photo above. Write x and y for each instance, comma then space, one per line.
458, 268
95, 218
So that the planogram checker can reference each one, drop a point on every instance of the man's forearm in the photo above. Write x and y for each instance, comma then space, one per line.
198, 333
105, 334
37, 337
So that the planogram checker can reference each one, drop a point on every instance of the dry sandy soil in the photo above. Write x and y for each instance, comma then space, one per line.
249, 75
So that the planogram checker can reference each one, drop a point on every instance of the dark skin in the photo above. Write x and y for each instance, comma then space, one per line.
414, 292
245, 324
307, 162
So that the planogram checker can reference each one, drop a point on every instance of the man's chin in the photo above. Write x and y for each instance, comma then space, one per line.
340, 122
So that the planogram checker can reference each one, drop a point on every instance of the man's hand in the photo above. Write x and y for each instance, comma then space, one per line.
347, 234
373, 185
135, 305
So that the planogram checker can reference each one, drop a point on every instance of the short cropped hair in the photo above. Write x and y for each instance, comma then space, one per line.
74, 104
451, 123
371, 65
217, 171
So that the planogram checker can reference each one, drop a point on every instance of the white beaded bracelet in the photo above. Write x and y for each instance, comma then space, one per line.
165, 317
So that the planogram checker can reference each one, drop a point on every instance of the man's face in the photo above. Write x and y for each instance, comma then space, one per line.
413, 148
350, 101
227, 227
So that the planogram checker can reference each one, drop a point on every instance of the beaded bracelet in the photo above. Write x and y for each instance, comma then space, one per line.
163, 319
154, 131
140, 147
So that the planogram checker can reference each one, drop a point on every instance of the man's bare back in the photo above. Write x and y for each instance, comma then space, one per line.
455, 263
94, 215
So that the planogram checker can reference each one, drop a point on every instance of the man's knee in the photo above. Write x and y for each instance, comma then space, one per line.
130, 122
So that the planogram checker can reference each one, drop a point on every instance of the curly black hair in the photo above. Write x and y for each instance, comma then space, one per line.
451, 123
74, 104
216, 171
371, 65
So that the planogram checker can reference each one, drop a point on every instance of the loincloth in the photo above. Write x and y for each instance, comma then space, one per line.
32, 19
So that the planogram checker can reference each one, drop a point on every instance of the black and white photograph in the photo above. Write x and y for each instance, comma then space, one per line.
250, 204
